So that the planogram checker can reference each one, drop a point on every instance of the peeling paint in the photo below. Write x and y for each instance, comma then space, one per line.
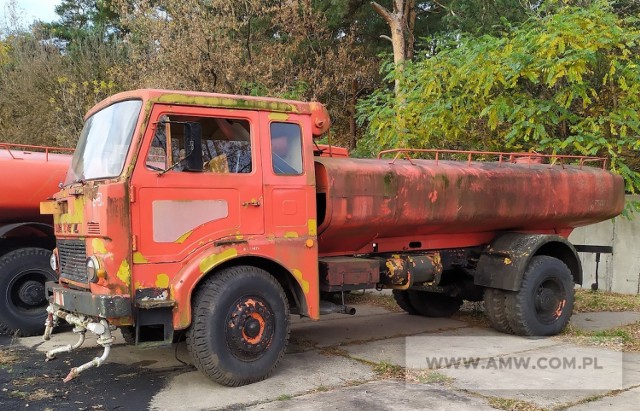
238, 103
138, 258
278, 116
98, 246
183, 237
304, 283
124, 273
162, 281
313, 227
211, 261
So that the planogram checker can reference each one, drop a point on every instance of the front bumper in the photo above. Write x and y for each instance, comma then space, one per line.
84, 302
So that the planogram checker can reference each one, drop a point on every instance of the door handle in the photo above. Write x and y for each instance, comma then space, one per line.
254, 203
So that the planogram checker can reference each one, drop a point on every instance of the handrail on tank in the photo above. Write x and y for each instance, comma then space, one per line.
46, 149
531, 158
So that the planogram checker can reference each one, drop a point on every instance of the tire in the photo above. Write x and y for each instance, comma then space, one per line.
23, 302
402, 299
544, 303
240, 326
495, 309
431, 304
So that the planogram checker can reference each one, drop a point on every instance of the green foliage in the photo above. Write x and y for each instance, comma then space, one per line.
566, 80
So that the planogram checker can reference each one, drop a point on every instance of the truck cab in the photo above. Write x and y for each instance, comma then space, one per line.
167, 187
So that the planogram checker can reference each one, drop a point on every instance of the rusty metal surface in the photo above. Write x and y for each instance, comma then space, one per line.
28, 177
84, 302
344, 273
368, 201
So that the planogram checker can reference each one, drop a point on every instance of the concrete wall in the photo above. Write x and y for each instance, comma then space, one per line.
618, 272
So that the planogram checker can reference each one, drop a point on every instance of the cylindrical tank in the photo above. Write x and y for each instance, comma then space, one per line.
363, 200
27, 178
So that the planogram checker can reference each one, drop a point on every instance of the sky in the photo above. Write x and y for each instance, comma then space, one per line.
33, 10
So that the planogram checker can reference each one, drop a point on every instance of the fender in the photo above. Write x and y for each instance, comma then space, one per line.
28, 228
503, 263
211, 259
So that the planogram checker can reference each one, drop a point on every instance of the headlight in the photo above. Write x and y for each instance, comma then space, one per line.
94, 269
53, 261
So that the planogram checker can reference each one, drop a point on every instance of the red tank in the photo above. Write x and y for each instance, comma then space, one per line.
28, 177
364, 201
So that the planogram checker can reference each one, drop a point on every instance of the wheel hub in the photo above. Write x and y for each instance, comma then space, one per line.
250, 328
32, 293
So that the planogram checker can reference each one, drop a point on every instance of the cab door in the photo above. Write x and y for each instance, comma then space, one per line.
175, 211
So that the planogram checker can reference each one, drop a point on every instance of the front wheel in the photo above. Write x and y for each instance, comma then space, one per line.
23, 304
544, 303
240, 326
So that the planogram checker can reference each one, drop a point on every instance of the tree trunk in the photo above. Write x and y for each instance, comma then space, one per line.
397, 23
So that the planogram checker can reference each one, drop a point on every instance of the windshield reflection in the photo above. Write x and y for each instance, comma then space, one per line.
104, 142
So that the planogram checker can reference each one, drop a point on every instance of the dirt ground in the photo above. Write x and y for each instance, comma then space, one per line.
30, 383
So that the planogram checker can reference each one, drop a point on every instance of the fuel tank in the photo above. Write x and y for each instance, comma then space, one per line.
363, 201
26, 178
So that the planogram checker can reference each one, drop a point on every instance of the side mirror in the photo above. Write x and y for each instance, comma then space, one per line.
193, 147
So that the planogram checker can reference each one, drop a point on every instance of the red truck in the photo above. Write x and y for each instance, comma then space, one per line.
219, 216
29, 175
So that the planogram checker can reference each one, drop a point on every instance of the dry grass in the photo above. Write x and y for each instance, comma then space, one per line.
625, 338
512, 405
39, 394
8, 357
592, 301
384, 369
428, 377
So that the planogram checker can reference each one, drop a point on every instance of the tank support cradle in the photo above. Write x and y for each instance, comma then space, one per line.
82, 324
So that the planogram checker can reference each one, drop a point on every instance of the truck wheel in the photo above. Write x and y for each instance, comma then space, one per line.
431, 304
23, 303
402, 299
240, 326
544, 302
494, 308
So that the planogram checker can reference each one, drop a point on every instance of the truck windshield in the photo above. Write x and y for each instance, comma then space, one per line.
104, 142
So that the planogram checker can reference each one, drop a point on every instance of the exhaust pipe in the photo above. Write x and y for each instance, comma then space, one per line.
327, 307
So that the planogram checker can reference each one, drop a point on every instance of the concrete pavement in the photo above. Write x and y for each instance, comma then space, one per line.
336, 363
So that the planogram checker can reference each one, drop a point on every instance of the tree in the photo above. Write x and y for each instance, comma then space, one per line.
567, 80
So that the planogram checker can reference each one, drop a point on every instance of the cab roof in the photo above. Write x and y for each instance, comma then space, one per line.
194, 98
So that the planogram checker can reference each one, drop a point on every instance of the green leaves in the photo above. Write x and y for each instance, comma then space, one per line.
565, 81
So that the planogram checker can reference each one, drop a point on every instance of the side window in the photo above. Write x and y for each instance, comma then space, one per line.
286, 149
157, 156
226, 144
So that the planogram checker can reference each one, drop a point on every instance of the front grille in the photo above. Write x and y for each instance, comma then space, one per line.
73, 260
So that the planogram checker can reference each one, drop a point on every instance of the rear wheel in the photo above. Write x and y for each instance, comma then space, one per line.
495, 309
431, 304
544, 303
240, 326
402, 299
23, 273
